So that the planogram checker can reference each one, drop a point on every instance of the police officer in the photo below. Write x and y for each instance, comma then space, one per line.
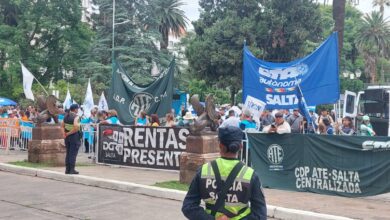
226, 185
71, 127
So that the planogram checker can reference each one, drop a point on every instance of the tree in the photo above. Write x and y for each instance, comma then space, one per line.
350, 59
214, 54
381, 4
288, 29
373, 41
171, 19
136, 35
47, 36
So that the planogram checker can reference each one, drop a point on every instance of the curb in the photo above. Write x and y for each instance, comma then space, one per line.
272, 211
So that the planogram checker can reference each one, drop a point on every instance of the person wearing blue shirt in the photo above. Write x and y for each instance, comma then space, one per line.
25, 133
142, 119
87, 125
3, 113
247, 122
112, 118
329, 127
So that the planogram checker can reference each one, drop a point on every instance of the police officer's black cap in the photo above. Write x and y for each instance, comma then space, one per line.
230, 134
73, 107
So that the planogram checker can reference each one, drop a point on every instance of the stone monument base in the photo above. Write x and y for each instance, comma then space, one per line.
47, 146
200, 149
190, 162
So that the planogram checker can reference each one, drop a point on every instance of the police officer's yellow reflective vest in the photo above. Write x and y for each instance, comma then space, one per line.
69, 121
238, 196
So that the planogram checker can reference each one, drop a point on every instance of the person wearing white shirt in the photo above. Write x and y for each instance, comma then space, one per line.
231, 121
280, 126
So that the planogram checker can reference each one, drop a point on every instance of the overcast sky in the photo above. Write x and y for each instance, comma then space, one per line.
191, 8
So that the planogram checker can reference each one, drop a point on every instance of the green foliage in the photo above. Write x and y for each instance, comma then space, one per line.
172, 185
288, 28
351, 60
136, 34
47, 36
171, 19
373, 40
201, 88
354, 85
77, 91
198, 87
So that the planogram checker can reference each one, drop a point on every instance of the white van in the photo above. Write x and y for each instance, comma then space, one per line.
374, 102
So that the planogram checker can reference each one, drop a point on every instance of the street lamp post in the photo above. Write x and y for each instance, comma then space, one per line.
352, 75
113, 34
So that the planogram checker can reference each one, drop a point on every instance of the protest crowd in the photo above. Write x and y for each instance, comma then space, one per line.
270, 121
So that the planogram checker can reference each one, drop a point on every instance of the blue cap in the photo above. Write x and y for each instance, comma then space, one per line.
73, 107
229, 134
231, 138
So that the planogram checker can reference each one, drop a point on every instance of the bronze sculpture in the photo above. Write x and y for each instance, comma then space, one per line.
207, 116
47, 107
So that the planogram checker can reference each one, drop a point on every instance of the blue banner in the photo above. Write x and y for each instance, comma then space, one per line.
276, 83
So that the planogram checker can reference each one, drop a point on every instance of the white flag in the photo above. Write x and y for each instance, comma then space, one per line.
28, 79
103, 103
88, 101
68, 100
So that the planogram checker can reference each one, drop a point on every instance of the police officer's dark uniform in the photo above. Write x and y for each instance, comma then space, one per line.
228, 179
72, 141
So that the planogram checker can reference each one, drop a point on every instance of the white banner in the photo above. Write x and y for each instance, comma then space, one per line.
88, 101
28, 79
255, 106
103, 105
68, 100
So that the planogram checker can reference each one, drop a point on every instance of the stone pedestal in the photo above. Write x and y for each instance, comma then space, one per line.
200, 149
47, 145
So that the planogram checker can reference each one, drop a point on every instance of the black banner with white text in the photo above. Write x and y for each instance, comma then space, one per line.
149, 147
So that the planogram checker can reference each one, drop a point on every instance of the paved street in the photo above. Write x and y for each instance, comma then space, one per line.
24, 197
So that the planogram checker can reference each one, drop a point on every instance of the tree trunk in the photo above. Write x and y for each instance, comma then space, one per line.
233, 96
164, 42
373, 72
382, 73
338, 17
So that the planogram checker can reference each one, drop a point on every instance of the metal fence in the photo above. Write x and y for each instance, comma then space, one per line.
15, 134
89, 140
244, 154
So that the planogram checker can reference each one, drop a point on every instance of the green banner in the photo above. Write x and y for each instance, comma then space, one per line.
337, 165
129, 98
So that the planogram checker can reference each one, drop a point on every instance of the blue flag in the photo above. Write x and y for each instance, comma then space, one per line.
276, 83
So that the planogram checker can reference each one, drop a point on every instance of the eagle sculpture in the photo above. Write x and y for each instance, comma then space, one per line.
47, 107
207, 116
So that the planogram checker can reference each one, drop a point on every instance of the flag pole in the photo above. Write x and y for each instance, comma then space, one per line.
35, 79
304, 101
113, 35
41, 86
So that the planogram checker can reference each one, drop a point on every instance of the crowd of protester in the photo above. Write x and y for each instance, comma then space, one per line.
285, 121
275, 121
16, 112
